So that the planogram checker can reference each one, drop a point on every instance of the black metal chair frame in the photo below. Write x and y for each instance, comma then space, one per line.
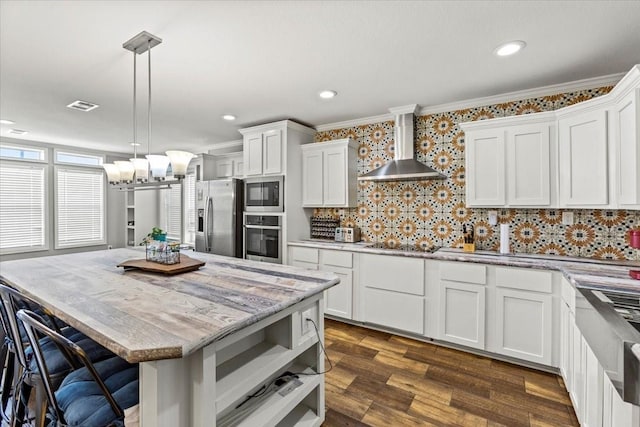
19, 379
75, 356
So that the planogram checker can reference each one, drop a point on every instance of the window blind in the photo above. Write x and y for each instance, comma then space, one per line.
174, 211
190, 209
80, 217
22, 207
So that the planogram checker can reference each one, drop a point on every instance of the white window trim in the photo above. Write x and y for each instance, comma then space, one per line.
45, 167
44, 151
55, 208
77, 153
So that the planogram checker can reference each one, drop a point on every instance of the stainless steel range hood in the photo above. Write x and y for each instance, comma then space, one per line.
403, 167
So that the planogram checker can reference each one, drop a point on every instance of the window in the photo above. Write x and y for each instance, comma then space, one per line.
79, 159
15, 152
80, 206
22, 207
173, 211
190, 209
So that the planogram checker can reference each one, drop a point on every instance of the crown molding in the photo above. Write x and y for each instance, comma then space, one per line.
583, 84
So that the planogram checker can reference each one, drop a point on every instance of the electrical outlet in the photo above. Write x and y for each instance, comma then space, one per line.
567, 218
493, 217
306, 325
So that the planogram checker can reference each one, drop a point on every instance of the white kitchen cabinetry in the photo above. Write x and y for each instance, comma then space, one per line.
509, 163
615, 411
229, 166
393, 290
263, 153
329, 174
625, 125
524, 327
583, 159
461, 319
339, 298
593, 372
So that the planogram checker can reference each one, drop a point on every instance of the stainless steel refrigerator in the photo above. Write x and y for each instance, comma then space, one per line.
219, 217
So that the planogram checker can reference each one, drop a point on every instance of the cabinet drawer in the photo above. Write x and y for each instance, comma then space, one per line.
394, 273
463, 272
337, 258
395, 310
524, 279
304, 254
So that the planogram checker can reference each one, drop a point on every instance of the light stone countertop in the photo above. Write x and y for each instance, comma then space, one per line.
146, 316
582, 272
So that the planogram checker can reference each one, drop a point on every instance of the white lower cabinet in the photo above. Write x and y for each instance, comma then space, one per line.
524, 314
393, 290
339, 299
462, 313
592, 410
615, 411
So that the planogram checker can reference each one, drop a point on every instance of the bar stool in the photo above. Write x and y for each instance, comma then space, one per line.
27, 375
92, 395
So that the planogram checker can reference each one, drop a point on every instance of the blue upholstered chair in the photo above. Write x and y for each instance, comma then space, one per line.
25, 374
92, 395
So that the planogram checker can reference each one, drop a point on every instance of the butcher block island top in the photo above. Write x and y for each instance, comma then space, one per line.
145, 316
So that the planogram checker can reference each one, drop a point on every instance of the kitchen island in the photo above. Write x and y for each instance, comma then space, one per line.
205, 339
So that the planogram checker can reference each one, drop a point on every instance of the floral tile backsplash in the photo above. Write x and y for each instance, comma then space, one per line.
431, 213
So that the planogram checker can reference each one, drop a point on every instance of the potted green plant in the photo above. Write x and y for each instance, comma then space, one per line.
156, 234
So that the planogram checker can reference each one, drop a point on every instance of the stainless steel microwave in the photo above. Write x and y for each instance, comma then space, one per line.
264, 194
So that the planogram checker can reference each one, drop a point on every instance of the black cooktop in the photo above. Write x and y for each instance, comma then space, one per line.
404, 248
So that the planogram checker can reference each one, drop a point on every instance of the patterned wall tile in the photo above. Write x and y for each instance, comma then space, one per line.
428, 213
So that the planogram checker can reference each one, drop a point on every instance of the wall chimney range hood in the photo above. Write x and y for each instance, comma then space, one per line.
403, 167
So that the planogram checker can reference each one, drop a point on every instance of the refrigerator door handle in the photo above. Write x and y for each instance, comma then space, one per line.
209, 223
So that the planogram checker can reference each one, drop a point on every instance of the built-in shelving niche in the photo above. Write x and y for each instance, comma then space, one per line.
244, 366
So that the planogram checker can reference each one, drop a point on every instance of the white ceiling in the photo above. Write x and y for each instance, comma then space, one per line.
267, 60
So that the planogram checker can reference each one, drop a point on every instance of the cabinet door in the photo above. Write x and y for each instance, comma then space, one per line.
312, 177
335, 177
577, 374
339, 299
592, 388
615, 411
523, 325
224, 168
626, 122
566, 336
394, 309
238, 168
528, 165
583, 170
253, 154
272, 153
462, 313
485, 168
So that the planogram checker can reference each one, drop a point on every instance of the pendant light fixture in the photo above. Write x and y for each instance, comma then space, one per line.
149, 172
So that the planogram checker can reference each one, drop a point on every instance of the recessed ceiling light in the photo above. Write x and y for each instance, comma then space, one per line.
327, 94
82, 106
229, 117
509, 48
17, 131
135, 144
7, 122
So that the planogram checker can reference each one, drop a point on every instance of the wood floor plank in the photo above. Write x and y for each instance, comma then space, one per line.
379, 379
380, 415
443, 414
421, 387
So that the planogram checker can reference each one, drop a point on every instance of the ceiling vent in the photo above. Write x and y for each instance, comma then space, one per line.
17, 131
82, 106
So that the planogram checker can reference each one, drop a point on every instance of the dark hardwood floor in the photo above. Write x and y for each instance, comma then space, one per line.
380, 379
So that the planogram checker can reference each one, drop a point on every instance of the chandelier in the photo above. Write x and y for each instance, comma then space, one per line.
149, 172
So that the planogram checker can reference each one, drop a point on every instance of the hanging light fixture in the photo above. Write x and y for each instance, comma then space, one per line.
121, 174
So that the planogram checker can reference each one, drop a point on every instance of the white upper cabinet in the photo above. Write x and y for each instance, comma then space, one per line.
625, 123
528, 165
485, 168
508, 164
329, 174
263, 153
583, 160
586, 155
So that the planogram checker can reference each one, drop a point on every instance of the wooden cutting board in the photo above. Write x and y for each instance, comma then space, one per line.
185, 264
